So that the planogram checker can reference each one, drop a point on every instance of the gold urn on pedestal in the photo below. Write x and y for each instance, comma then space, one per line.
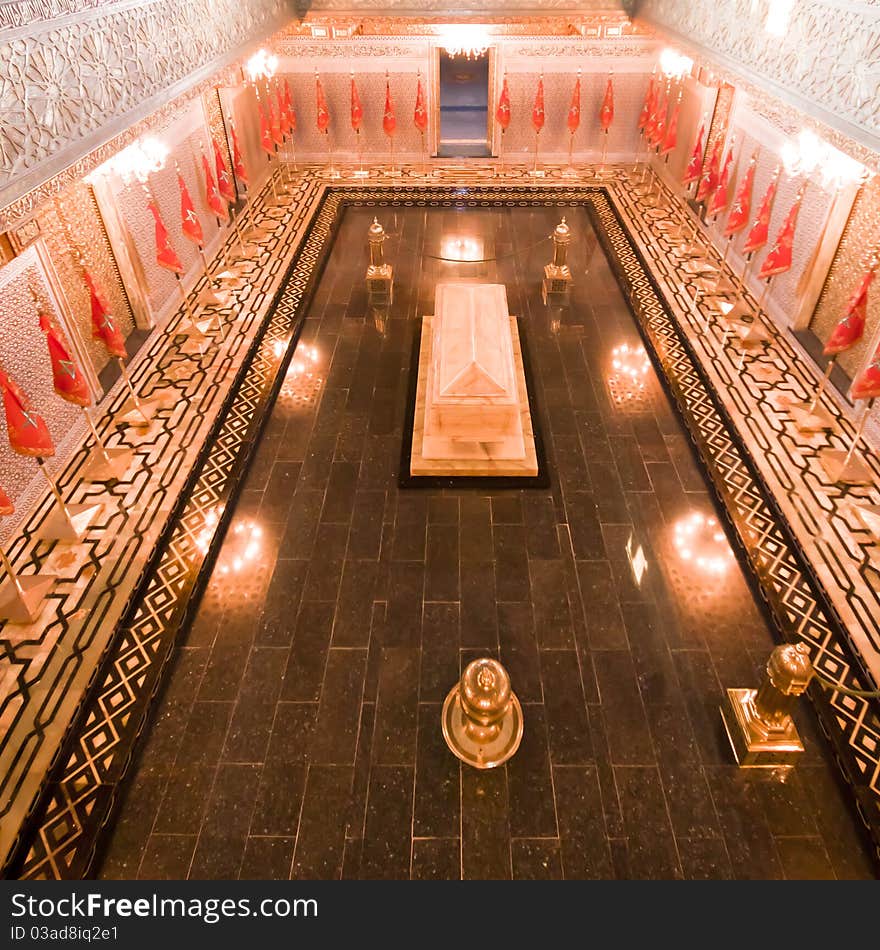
379, 274
556, 286
758, 721
482, 718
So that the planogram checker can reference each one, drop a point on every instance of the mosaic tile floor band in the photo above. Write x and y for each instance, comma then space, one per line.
798, 605
87, 781
103, 582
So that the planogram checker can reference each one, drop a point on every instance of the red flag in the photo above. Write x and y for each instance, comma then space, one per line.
288, 107
670, 139
867, 384
224, 179
389, 120
852, 325
538, 107
779, 259
648, 106
166, 256
274, 123
237, 163
658, 126
212, 196
502, 113
657, 119
742, 203
709, 181
323, 113
357, 113
720, 196
69, 382
574, 110
266, 142
692, 171
283, 124
606, 113
189, 220
420, 115
28, 434
6, 506
757, 236
104, 327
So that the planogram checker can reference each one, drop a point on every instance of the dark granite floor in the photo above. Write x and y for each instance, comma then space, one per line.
300, 731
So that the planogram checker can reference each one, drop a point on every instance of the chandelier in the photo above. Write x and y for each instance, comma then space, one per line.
465, 40
261, 65
138, 161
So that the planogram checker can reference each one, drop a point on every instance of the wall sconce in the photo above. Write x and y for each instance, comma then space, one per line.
674, 65
261, 65
137, 161
810, 152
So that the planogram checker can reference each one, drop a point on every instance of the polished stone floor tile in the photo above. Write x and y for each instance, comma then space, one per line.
436, 859
320, 837
299, 733
485, 827
266, 859
536, 859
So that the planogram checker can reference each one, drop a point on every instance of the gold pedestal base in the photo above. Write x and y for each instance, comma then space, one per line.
497, 749
69, 523
538, 173
360, 173
569, 172
556, 286
752, 747
109, 466
869, 516
195, 345
140, 416
805, 421
213, 298
690, 250
750, 334
731, 310
855, 472
256, 234
197, 328
26, 604
380, 285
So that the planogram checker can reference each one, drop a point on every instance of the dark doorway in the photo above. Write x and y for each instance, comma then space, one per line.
464, 106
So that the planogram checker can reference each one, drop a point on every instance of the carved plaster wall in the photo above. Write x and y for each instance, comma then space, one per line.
630, 58
24, 356
860, 239
185, 138
752, 132
826, 63
76, 73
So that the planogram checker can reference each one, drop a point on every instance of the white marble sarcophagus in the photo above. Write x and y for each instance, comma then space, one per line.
472, 412
471, 381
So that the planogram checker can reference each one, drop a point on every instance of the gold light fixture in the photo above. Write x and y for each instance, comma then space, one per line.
675, 65
778, 15
137, 161
468, 40
261, 66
